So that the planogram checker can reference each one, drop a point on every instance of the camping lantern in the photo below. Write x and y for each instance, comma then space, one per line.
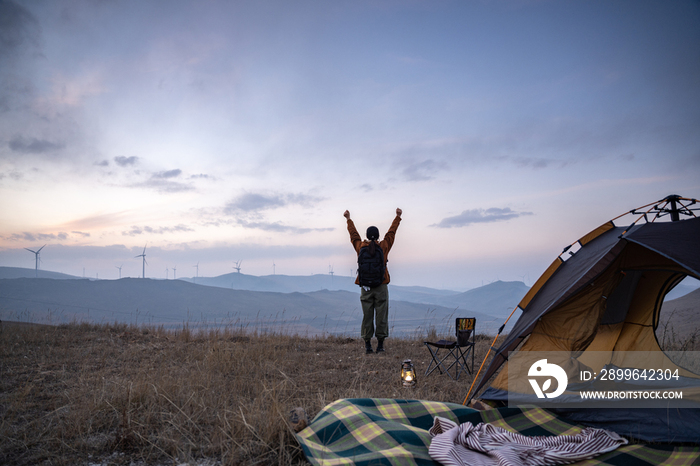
408, 374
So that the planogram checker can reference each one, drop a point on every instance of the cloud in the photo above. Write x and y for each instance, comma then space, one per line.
103, 163
423, 171
164, 185
100, 221
26, 236
15, 175
136, 230
469, 217
18, 28
278, 227
537, 162
167, 174
33, 145
81, 233
163, 181
251, 203
126, 161
20, 39
248, 208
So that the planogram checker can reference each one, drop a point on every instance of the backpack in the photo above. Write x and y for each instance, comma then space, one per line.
371, 268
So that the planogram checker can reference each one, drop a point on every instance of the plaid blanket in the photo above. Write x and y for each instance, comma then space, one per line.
368, 431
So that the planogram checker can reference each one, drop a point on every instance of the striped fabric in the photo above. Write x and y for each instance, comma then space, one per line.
487, 445
372, 431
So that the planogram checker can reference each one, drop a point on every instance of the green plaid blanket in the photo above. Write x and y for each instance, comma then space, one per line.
369, 431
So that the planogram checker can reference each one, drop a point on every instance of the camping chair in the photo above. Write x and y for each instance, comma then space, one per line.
456, 352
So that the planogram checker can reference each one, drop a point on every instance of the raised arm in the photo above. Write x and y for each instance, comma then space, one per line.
355, 237
391, 233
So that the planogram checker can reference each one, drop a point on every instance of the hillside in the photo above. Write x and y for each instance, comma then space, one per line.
681, 314
302, 284
496, 299
19, 272
173, 302
313, 304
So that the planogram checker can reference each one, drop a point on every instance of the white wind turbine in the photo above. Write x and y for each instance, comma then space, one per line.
36, 257
143, 254
197, 276
238, 266
175, 273
120, 270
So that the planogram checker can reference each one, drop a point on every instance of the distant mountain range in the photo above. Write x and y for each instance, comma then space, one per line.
313, 304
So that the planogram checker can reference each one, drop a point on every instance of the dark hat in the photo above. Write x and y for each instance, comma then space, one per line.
372, 233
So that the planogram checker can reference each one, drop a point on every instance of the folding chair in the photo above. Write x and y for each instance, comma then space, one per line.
456, 352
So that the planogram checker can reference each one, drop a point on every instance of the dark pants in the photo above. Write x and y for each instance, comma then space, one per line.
375, 300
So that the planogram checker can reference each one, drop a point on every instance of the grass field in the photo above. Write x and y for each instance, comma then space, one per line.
114, 394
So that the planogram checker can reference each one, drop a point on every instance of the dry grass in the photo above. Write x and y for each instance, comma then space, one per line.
115, 394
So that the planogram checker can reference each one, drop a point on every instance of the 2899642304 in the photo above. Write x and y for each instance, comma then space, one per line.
624, 375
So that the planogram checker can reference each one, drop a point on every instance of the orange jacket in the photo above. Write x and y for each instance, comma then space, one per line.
385, 244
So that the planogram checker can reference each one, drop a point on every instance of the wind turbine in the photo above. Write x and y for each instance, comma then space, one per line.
166, 273
175, 273
36, 257
143, 254
197, 266
330, 271
273, 267
120, 270
238, 266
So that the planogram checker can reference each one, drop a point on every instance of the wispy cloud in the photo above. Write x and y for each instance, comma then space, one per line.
15, 175
21, 38
423, 171
137, 230
167, 174
469, 217
25, 145
26, 236
278, 227
164, 182
251, 203
125, 161
92, 222
248, 211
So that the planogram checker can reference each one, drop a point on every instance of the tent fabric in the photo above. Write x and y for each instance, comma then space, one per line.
366, 431
593, 259
682, 249
604, 297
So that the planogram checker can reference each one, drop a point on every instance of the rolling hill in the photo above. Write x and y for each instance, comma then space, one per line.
172, 303
682, 316
19, 272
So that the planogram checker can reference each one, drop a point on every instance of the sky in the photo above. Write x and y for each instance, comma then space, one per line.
216, 132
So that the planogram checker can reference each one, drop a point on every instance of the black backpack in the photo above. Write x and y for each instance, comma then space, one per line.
371, 268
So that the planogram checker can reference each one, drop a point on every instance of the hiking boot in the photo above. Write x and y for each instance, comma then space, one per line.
380, 346
368, 347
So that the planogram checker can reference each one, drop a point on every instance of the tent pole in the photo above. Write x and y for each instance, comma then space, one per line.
476, 377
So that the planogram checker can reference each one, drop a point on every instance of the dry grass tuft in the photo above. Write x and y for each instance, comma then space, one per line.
118, 394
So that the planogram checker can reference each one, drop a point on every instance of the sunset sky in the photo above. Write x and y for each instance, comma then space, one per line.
220, 131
